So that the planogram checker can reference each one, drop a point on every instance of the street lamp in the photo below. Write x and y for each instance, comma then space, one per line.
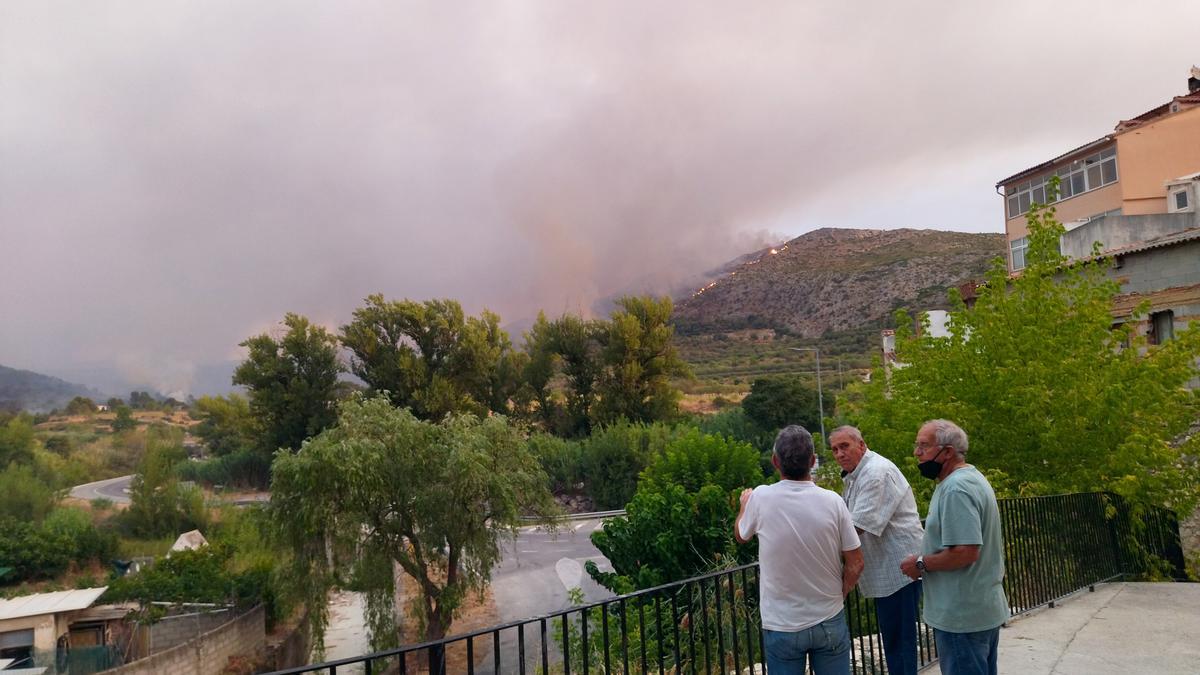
820, 396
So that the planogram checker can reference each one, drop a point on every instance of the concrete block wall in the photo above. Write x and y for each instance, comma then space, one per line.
172, 631
207, 654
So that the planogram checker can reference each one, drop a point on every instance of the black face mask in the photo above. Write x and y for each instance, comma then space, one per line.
932, 468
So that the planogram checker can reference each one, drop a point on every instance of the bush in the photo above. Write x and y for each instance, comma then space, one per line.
561, 460
16, 440
89, 542
774, 403
615, 455
694, 460
32, 552
23, 496
242, 468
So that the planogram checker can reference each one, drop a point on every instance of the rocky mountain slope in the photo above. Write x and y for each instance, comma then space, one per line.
838, 279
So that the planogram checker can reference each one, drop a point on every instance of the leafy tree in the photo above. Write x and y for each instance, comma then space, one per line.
124, 419
16, 440
81, 405
614, 456
1036, 372
694, 459
434, 499
775, 402
292, 383
23, 495
159, 505
432, 358
226, 424
142, 400
639, 360
32, 551
114, 403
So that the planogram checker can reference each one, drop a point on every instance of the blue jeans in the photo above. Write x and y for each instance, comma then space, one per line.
897, 615
967, 653
828, 643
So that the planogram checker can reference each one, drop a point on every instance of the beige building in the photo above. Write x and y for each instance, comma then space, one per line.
1135, 192
40, 623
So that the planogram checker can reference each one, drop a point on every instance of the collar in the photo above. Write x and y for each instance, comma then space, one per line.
854, 474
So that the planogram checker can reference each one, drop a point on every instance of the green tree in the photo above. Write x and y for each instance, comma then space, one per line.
81, 405
432, 358
123, 421
226, 423
387, 487
16, 440
292, 382
639, 359
142, 400
23, 495
1055, 397
159, 505
775, 402
613, 457
114, 402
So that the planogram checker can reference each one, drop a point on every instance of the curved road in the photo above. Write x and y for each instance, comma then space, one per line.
113, 489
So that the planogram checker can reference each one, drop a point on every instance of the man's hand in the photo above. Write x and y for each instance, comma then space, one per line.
745, 495
737, 522
909, 567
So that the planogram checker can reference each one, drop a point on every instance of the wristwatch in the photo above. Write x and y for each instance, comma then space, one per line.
921, 564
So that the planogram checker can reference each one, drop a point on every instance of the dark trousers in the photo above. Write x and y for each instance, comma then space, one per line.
897, 615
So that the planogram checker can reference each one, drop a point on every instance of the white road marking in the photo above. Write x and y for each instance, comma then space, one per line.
570, 572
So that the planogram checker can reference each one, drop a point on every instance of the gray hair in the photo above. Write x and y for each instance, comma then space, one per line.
850, 431
794, 450
948, 433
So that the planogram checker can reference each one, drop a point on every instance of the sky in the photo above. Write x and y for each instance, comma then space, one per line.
176, 176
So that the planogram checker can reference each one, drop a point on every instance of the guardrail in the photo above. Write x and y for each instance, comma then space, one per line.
1054, 546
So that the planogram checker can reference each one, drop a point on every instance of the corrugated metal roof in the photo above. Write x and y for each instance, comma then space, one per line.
49, 603
1168, 240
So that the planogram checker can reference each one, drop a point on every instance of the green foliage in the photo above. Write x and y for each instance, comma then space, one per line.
32, 551
614, 456
1037, 374
16, 440
667, 534
608, 370
639, 359
201, 575
88, 541
562, 460
433, 498
142, 400
160, 506
81, 405
226, 424
694, 459
243, 468
23, 495
432, 358
680, 521
114, 402
774, 403
292, 383
124, 419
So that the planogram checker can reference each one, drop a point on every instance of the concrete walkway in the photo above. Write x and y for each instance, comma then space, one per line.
1121, 628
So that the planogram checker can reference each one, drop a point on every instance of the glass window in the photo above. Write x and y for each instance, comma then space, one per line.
1023, 201
1039, 194
1109, 171
1162, 327
1064, 188
1093, 177
1017, 247
1077, 186
1181, 200
1013, 207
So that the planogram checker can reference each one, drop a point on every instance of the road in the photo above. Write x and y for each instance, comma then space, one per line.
113, 489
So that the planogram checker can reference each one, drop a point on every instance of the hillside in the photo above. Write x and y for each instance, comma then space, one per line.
836, 280
27, 390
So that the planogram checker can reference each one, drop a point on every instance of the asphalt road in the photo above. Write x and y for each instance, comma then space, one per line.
114, 489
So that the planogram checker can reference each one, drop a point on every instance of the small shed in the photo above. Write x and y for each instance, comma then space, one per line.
37, 622
189, 541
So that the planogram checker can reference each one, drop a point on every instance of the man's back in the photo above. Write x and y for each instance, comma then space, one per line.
802, 531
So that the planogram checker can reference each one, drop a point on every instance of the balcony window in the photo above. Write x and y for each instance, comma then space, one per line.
1091, 173
1017, 248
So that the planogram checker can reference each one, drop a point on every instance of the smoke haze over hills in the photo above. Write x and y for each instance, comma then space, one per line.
174, 177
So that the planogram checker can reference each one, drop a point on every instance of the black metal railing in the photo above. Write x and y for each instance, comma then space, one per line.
1054, 546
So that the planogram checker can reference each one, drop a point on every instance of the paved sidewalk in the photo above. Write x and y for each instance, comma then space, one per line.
1121, 628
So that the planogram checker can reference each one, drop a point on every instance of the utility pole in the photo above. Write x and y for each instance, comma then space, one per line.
820, 395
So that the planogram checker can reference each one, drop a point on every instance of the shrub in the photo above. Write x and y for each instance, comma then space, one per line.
561, 460
615, 455
694, 460
23, 496
242, 468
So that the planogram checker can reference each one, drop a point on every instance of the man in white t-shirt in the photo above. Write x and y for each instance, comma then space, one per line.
809, 558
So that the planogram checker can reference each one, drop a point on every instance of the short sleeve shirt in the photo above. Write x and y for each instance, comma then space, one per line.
882, 505
802, 530
963, 511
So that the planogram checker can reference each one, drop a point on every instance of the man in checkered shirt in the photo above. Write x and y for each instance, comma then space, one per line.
884, 512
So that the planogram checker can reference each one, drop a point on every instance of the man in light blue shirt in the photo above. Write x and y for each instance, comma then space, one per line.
884, 512
962, 557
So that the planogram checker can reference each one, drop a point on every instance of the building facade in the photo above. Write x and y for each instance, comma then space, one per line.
1132, 196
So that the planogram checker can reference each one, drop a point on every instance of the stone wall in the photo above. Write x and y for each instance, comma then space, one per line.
207, 654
